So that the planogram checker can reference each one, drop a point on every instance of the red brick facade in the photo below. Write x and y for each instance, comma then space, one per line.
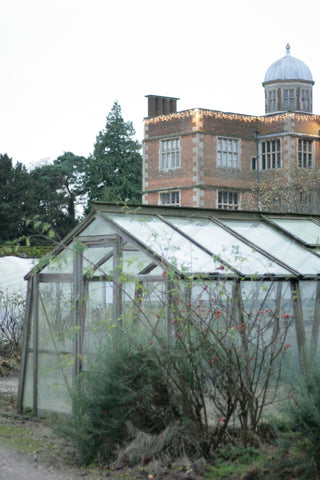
199, 178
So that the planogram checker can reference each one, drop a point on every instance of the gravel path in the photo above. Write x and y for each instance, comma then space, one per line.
16, 467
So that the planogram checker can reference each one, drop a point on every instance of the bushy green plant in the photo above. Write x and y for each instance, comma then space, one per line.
124, 391
303, 413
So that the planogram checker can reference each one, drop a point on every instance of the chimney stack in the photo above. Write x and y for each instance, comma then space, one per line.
161, 105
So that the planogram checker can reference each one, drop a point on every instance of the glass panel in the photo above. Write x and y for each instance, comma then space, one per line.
268, 308
308, 294
27, 402
98, 323
135, 262
153, 305
226, 246
167, 243
278, 245
61, 263
144, 302
305, 230
53, 379
56, 336
92, 255
97, 227
56, 332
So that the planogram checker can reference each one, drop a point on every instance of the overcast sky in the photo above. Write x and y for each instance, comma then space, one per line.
65, 62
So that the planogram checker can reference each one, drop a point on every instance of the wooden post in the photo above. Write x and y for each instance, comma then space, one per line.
117, 288
25, 346
235, 301
316, 321
78, 299
35, 308
276, 323
300, 330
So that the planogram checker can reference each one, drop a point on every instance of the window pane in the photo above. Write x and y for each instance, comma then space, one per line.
264, 236
162, 239
226, 246
306, 230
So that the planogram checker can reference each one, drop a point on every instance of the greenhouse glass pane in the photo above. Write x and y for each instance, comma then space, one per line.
97, 227
268, 312
56, 335
98, 322
167, 243
278, 245
54, 382
61, 263
260, 298
225, 245
134, 262
153, 306
106, 268
306, 230
56, 331
28, 383
92, 255
308, 292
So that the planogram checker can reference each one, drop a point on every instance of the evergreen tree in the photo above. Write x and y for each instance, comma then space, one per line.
69, 172
57, 189
15, 199
114, 170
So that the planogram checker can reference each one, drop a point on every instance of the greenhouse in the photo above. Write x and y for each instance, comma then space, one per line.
166, 269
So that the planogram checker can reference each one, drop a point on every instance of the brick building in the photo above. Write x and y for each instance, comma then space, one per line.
208, 158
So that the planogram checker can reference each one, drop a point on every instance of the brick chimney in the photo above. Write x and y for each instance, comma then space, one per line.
161, 105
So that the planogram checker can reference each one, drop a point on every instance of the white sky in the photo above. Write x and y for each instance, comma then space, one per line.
64, 63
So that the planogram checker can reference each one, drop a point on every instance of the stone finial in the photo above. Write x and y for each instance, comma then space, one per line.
288, 49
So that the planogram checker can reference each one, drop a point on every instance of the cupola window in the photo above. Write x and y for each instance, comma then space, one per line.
272, 101
305, 100
288, 98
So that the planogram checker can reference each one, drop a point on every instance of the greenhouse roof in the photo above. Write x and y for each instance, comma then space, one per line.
215, 243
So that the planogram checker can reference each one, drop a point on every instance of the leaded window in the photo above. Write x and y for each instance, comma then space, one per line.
170, 198
272, 100
305, 100
227, 153
228, 200
288, 98
270, 154
170, 154
305, 155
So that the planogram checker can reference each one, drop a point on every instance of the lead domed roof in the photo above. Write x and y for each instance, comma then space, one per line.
288, 68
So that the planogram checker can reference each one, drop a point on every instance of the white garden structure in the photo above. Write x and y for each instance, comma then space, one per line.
130, 262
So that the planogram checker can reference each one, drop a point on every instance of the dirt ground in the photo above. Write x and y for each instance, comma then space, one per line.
29, 450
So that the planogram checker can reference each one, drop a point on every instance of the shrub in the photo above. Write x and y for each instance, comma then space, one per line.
303, 413
125, 392
12, 309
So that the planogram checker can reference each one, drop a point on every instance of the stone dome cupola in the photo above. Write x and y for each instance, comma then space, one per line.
288, 85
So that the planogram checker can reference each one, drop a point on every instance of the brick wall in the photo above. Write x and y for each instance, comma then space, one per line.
198, 179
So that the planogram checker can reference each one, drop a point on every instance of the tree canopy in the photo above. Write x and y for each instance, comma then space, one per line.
114, 170
15, 198
56, 193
